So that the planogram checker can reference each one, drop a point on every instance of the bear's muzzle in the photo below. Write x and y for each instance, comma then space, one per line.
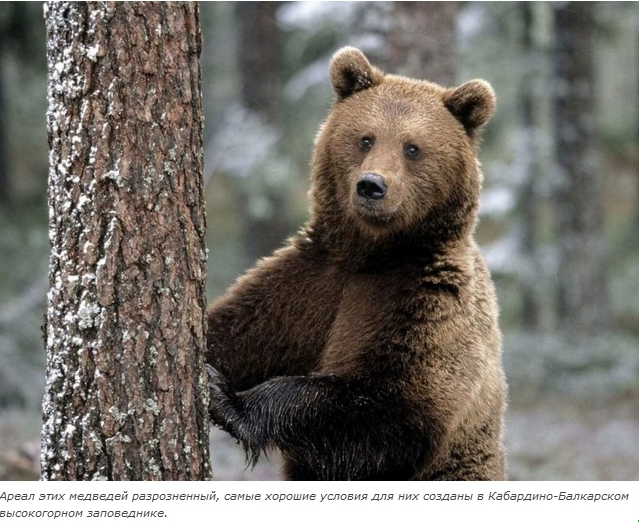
371, 186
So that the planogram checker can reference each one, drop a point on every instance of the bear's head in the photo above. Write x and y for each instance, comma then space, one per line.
397, 156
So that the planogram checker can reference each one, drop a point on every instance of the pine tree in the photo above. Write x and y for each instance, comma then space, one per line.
126, 389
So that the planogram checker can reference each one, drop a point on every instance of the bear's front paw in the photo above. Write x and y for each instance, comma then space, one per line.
217, 383
227, 411
225, 406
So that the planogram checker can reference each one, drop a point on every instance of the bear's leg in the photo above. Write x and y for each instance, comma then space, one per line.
285, 306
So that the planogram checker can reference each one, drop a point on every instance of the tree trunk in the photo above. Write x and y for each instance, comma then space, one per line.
635, 237
263, 201
260, 58
583, 305
5, 168
422, 40
126, 389
528, 199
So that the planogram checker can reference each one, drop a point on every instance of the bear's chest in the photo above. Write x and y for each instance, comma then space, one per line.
365, 323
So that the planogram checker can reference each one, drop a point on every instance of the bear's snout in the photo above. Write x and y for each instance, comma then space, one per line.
371, 186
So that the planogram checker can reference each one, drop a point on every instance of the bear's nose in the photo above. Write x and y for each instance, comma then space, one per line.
371, 186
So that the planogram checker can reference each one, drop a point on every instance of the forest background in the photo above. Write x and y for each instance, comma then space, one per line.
560, 213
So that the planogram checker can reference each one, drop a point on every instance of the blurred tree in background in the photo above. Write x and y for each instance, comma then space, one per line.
422, 42
263, 191
559, 219
22, 66
528, 198
583, 304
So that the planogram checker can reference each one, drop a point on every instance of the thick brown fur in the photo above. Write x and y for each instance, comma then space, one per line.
368, 347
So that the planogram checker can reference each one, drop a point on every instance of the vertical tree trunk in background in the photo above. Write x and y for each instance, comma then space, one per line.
21, 45
583, 305
5, 180
260, 58
636, 223
528, 201
422, 40
126, 389
263, 201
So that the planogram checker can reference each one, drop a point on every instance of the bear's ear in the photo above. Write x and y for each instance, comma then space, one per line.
350, 72
471, 103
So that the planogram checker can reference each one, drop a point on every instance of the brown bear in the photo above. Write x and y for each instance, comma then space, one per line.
368, 348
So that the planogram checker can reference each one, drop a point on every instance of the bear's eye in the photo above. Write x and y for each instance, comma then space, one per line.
366, 144
411, 151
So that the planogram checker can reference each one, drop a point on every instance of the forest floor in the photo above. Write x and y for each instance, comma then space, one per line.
557, 438
548, 438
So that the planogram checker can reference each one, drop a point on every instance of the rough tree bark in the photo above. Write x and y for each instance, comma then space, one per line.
422, 40
583, 303
126, 389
